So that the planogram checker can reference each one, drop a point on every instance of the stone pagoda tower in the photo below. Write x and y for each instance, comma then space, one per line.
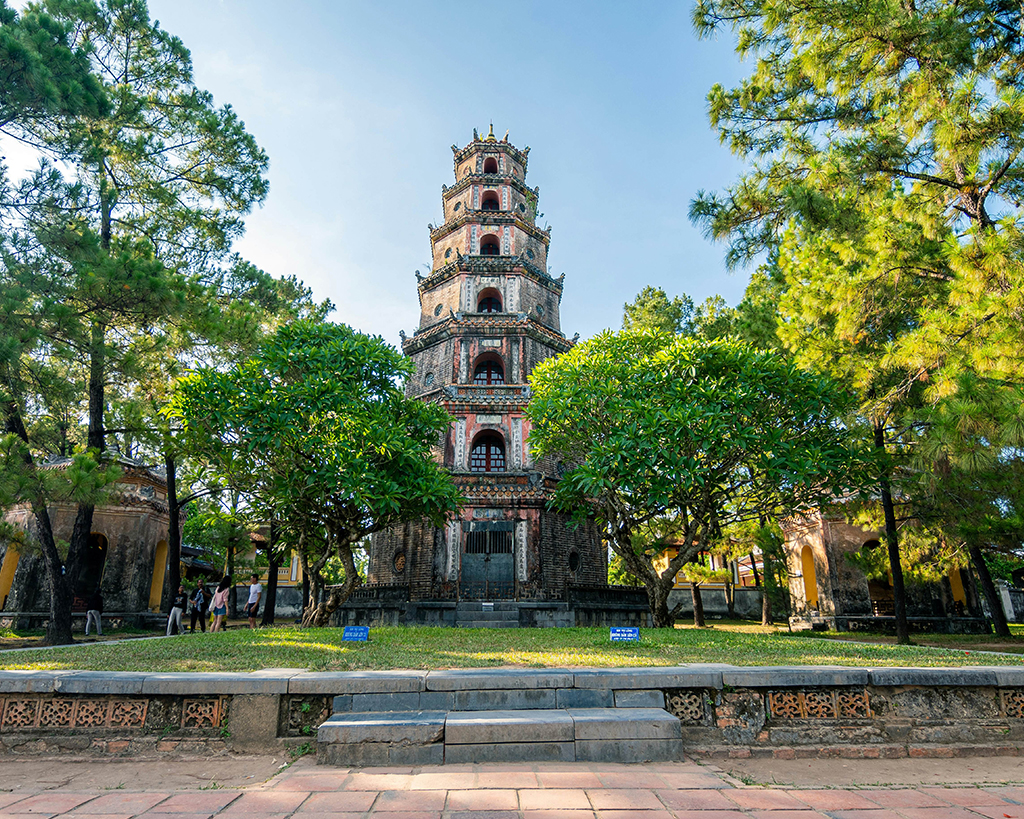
489, 313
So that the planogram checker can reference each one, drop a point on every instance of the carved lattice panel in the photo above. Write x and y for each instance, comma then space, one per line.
57, 714
785, 704
92, 713
204, 713
128, 713
20, 714
819, 705
853, 704
688, 706
1013, 702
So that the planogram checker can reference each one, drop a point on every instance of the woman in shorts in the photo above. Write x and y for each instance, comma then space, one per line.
219, 604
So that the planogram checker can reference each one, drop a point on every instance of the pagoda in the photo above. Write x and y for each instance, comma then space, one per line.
489, 314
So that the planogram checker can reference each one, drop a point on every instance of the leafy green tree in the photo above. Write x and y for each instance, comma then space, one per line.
885, 146
315, 431
705, 433
102, 261
652, 309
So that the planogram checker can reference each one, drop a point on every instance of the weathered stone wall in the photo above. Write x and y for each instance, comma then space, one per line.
723, 711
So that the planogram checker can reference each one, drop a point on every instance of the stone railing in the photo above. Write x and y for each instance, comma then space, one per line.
723, 710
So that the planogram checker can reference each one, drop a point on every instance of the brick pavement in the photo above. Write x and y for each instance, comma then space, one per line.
683, 790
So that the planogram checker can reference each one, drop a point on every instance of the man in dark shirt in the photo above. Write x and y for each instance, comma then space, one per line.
178, 607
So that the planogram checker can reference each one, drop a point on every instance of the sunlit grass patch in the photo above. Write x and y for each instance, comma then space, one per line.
428, 648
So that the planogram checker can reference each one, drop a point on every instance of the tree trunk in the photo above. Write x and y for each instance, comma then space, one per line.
995, 605
730, 599
698, 605
274, 558
899, 594
233, 594
58, 626
304, 562
173, 526
767, 616
753, 568
319, 614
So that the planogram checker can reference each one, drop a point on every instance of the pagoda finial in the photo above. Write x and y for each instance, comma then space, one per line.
490, 136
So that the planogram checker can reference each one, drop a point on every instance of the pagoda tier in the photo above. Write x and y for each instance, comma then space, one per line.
489, 314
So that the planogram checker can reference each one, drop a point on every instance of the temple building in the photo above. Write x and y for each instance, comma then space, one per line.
489, 314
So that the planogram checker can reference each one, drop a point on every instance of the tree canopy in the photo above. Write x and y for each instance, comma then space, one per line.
705, 433
316, 430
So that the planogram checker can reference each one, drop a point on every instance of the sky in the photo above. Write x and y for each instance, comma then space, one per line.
358, 103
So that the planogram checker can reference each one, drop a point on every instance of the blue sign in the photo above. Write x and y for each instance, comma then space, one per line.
619, 634
360, 634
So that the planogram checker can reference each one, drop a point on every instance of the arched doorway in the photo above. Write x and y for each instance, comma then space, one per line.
490, 165
91, 572
810, 578
487, 453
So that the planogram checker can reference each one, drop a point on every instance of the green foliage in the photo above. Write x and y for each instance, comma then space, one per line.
702, 433
653, 310
316, 432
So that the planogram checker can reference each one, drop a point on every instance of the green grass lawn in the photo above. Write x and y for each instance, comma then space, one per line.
426, 648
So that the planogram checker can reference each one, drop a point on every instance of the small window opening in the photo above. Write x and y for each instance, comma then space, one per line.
489, 372
490, 165
489, 245
487, 454
489, 201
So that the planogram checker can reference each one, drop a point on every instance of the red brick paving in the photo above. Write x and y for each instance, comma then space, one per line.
522, 791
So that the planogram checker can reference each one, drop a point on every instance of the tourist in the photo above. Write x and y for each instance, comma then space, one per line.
220, 603
178, 607
252, 605
94, 608
200, 607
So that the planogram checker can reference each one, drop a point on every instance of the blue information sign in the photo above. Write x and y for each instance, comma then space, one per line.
357, 633
619, 634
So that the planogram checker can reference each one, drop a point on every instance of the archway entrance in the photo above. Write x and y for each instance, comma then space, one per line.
91, 572
488, 562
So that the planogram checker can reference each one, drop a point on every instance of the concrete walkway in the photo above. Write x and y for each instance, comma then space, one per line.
206, 788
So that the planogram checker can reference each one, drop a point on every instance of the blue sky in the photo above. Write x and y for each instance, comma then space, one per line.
358, 103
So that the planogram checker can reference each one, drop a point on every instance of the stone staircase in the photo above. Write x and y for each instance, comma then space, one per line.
501, 715
500, 614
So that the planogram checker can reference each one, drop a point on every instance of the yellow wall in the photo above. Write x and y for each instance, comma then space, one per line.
156, 587
10, 565
810, 577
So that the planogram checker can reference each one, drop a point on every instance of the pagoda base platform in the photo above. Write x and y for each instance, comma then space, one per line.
586, 606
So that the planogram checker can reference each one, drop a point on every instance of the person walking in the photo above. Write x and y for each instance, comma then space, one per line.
220, 603
94, 608
252, 605
178, 606
200, 607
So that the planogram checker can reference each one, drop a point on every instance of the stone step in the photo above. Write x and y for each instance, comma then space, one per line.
500, 735
509, 616
480, 605
487, 624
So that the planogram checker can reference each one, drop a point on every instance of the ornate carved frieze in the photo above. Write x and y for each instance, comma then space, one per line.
1012, 702
819, 704
24, 713
688, 705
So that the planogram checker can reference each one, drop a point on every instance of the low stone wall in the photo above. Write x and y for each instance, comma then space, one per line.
723, 710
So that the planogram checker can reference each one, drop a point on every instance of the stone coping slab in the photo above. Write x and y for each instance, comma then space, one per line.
271, 681
687, 676
935, 676
795, 676
465, 679
357, 682
624, 723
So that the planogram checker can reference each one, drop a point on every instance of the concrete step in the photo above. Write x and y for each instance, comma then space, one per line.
506, 616
487, 623
481, 605
500, 735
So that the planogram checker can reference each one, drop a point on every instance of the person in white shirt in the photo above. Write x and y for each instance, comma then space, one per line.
253, 604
